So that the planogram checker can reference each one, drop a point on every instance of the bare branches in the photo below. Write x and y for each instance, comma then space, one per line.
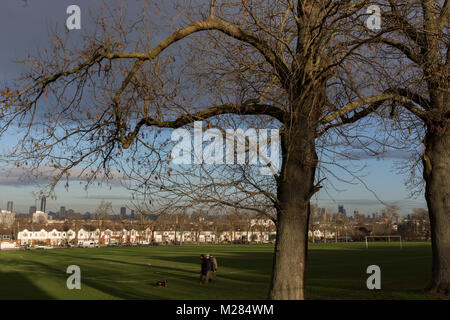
443, 18
388, 96
410, 53
271, 63
211, 8
244, 109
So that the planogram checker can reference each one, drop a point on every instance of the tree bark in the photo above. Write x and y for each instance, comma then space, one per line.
436, 172
295, 188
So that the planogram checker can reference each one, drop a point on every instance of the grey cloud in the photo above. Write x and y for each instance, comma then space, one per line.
17, 177
106, 197
402, 203
390, 154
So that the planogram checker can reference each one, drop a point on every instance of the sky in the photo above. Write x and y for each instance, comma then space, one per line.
27, 26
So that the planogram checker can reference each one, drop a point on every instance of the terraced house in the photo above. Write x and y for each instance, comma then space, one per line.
55, 237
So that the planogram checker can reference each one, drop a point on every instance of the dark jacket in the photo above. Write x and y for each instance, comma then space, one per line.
209, 265
204, 265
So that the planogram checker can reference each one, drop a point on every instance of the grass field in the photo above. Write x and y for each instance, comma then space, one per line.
335, 271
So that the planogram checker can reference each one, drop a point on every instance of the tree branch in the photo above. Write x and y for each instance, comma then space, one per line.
413, 56
401, 96
243, 109
211, 23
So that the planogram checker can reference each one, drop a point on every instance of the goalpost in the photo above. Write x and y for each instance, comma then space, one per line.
389, 239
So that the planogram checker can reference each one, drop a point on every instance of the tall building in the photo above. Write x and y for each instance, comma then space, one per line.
9, 206
32, 210
43, 203
62, 212
123, 212
70, 213
341, 209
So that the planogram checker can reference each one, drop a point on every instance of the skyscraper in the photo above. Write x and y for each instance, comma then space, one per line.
123, 212
62, 212
9, 206
43, 203
341, 209
32, 210
70, 214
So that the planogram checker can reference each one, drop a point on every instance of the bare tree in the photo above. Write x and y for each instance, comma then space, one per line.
266, 60
75, 222
413, 47
422, 217
7, 218
101, 214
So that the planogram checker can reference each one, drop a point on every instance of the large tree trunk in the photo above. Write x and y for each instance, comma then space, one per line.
436, 171
295, 188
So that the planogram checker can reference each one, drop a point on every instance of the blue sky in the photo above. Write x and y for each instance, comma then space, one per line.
27, 29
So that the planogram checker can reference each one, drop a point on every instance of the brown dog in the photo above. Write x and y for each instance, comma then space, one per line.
161, 283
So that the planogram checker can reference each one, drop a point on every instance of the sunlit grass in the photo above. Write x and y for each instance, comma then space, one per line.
335, 271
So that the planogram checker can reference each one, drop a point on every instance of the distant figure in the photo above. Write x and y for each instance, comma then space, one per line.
161, 283
203, 263
214, 267
209, 268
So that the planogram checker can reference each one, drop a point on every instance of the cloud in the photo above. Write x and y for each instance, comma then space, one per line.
390, 154
106, 197
352, 202
18, 177
402, 203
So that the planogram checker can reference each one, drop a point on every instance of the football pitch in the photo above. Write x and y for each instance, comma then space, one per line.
335, 271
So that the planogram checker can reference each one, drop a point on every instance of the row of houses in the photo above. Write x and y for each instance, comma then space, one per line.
56, 237
318, 234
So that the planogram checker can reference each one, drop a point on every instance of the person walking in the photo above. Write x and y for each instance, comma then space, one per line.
209, 268
214, 267
203, 267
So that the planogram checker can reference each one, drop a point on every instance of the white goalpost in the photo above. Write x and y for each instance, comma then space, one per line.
389, 239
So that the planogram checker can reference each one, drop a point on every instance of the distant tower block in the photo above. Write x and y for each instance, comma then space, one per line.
32, 210
43, 203
342, 210
62, 212
10, 206
123, 212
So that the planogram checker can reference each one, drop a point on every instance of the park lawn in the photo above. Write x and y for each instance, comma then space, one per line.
335, 271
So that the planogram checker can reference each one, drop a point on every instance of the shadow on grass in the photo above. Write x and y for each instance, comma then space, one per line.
15, 286
333, 273
135, 281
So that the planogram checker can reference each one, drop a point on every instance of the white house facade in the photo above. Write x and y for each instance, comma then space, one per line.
55, 237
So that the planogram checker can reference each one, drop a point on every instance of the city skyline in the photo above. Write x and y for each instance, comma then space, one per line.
352, 196
363, 206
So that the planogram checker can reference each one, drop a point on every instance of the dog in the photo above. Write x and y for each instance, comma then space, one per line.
161, 283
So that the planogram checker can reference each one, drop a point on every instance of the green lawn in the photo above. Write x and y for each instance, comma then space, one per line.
335, 271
